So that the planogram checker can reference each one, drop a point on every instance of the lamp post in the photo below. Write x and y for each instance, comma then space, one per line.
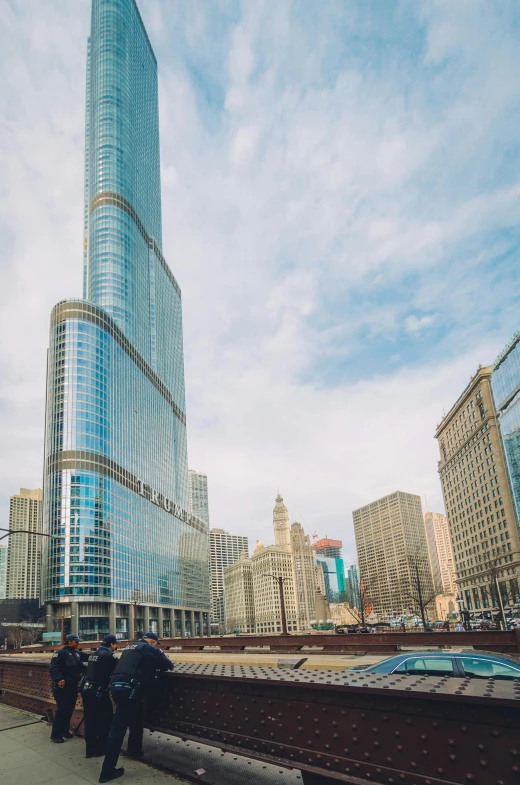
280, 580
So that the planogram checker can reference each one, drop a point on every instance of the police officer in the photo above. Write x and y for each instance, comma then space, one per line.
66, 669
131, 680
97, 705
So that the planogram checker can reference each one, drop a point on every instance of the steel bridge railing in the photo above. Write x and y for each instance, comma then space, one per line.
335, 727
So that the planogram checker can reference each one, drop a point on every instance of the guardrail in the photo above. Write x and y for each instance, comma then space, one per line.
384, 643
335, 727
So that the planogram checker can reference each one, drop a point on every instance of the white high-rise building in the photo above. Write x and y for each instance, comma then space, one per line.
198, 485
24, 551
254, 582
225, 550
3, 571
440, 552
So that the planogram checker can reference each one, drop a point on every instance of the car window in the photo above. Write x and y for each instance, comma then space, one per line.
430, 666
487, 669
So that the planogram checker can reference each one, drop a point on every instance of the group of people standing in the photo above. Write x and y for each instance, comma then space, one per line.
126, 679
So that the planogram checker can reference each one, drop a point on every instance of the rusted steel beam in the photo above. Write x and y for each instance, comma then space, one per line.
334, 726
388, 642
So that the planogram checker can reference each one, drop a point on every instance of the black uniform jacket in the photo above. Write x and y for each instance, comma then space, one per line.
139, 662
100, 667
67, 664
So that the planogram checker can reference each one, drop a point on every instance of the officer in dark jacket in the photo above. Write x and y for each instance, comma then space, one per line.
132, 677
66, 668
97, 706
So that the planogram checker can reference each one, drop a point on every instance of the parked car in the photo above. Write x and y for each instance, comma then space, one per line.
475, 665
343, 629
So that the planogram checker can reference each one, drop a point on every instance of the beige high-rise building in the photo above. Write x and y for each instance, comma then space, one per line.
239, 597
24, 551
224, 550
393, 554
479, 506
440, 552
290, 557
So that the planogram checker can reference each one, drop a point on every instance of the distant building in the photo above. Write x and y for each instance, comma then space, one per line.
24, 550
225, 550
331, 578
329, 548
353, 586
440, 552
477, 495
3, 572
290, 557
198, 485
393, 554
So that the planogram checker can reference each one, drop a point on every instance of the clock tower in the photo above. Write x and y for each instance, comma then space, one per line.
282, 531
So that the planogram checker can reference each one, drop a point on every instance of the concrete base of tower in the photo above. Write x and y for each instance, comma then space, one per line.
128, 621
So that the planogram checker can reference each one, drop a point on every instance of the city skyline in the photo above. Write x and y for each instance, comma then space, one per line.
352, 403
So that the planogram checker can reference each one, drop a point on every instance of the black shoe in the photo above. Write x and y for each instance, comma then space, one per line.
95, 755
136, 755
68, 735
115, 776
57, 739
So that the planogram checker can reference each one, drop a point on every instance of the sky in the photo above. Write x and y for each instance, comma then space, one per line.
341, 188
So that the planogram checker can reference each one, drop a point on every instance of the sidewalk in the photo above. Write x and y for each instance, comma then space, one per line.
28, 756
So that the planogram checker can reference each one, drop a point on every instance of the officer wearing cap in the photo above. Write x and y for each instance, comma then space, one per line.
66, 668
131, 679
97, 706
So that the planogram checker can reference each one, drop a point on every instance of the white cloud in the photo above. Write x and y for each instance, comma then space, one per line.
320, 191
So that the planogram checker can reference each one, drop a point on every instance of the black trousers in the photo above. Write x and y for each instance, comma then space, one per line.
129, 714
98, 716
65, 702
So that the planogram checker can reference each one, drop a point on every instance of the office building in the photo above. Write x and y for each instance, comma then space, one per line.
291, 557
24, 549
477, 496
393, 555
116, 474
239, 597
198, 487
224, 550
3, 572
440, 552
330, 570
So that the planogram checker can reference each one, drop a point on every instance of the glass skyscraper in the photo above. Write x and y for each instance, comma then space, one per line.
505, 383
132, 555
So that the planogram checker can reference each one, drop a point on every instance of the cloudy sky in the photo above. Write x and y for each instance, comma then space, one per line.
340, 198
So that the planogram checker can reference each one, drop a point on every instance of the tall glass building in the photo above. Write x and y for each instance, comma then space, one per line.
505, 384
131, 554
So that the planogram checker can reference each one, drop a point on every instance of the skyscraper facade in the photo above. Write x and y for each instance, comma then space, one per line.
24, 550
3, 571
478, 500
393, 554
505, 384
198, 490
353, 586
132, 555
225, 549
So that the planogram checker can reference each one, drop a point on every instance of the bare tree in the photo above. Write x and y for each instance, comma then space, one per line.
419, 587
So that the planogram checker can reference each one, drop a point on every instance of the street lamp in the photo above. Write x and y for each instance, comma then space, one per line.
280, 580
